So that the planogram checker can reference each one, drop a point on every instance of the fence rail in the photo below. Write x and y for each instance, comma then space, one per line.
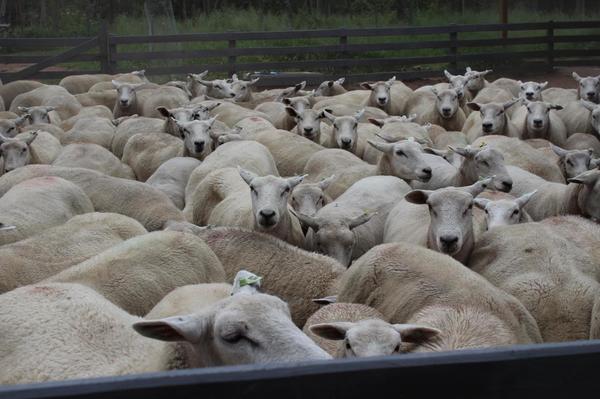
395, 50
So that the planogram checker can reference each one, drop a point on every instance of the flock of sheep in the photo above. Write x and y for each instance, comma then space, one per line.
366, 222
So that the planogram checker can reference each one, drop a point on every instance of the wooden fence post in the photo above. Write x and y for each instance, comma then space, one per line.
453, 51
103, 47
343, 41
550, 48
232, 58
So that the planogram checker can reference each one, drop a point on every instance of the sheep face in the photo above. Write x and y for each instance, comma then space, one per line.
594, 115
308, 123
503, 212
345, 130
589, 87
476, 79
197, 137
486, 163
269, 196
531, 91
380, 92
307, 199
241, 329
373, 337
218, 88
126, 93
298, 103
446, 102
405, 159
538, 116
574, 162
16, 153
10, 127
493, 116
451, 215
38, 114
242, 89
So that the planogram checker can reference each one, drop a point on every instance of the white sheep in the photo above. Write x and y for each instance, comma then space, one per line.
413, 285
172, 176
504, 211
130, 126
94, 157
444, 225
390, 96
537, 119
93, 129
198, 137
352, 224
38, 204
145, 152
57, 248
65, 104
330, 88
8, 91
574, 162
441, 108
491, 119
308, 198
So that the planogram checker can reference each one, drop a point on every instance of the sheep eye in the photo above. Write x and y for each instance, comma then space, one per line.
486, 211
285, 191
516, 212
470, 207
253, 189
24, 150
348, 346
233, 339
569, 162
485, 163
400, 153
500, 113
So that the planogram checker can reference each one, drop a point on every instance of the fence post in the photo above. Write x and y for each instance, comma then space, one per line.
343, 41
453, 51
232, 58
103, 48
550, 49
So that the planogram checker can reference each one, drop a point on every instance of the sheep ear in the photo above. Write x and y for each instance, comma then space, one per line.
366, 86
325, 183
524, 199
211, 121
359, 114
487, 71
333, 331
556, 107
510, 103
576, 76
305, 220
474, 106
21, 119
433, 151
467, 152
383, 147
587, 178
360, 220
481, 203
295, 180
543, 85
377, 122
416, 333
326, 300
418, 197
163, 111
448, 75
479, 187
588, 105
329, 116
340, 81
234, 77
212, 106
116, 84
291, 112
559, 151
390, 82
23, 109
189, 328
247, 175
253, 82
31, 137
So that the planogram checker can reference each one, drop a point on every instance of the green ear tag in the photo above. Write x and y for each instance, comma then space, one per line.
250, 280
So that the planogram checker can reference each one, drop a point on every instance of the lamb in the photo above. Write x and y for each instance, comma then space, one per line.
126, 128
491, 119
481, 162
145, 152
446, 227
519, 153
413, 285
308, 198
94, 157
504, 212
295, 275
198, 137
9, 91
65, 104
149, 206
552, 199
360, 331
38, 204
172, 176
574, 162
120, 350
94, 130
352, 224
142, 259
403, 159
248, 154
440, 108
542, 270
53, 250
536, 120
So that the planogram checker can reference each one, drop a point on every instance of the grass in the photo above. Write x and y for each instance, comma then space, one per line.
251, 20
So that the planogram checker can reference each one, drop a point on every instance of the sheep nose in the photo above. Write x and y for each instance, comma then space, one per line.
507, 185
123, 102
232, 95
427, 171
382, 99
591, 95
308, 129
529, 94
267, 213
487, 126
448, 240
199, 145
537, 122
346, 142
446, 110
